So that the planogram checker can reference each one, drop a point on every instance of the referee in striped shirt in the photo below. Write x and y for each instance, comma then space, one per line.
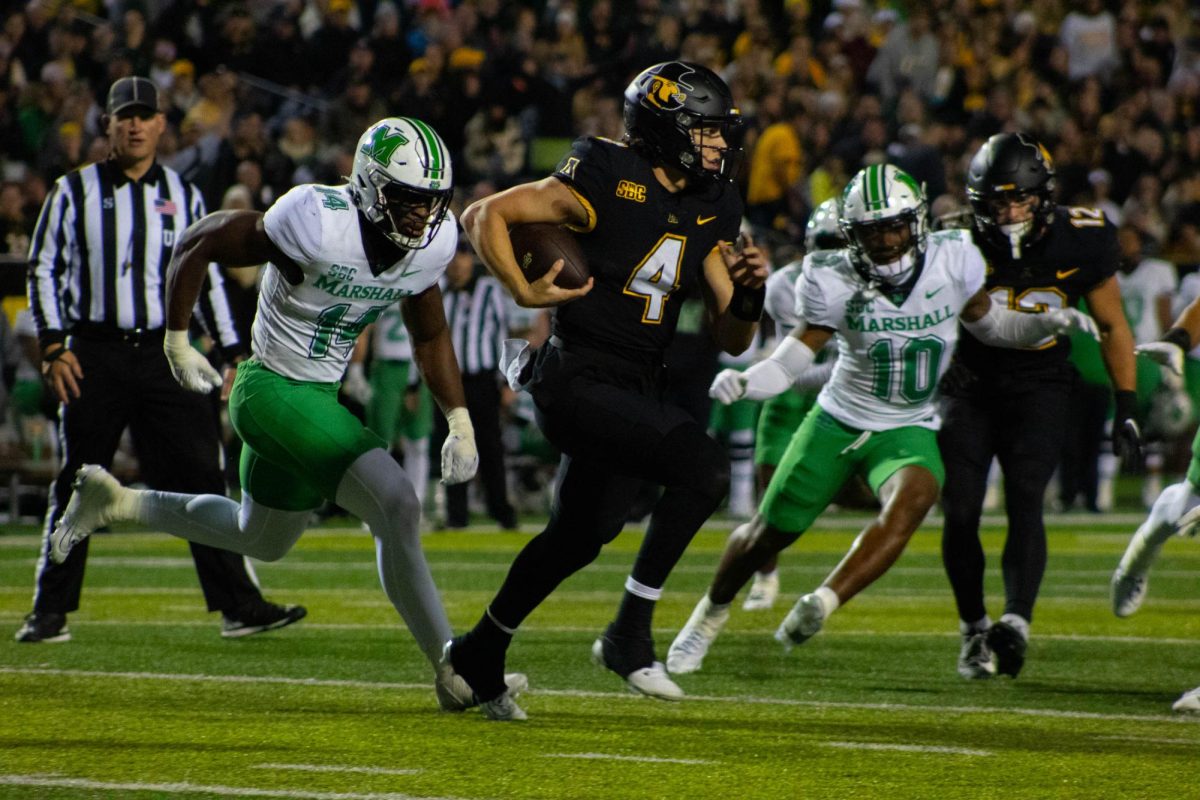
96, 287
476, 313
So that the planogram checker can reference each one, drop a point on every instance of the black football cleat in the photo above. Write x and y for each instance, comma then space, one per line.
44, 626
1008, 645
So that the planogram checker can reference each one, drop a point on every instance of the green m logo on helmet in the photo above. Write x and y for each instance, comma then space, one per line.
383, 144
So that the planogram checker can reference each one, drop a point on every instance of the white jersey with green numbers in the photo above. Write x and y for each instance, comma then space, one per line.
307, 331
389, 338
780, 303
890, 356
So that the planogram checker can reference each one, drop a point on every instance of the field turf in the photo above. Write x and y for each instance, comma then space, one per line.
148, 701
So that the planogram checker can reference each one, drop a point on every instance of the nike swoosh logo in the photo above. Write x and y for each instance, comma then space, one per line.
929, 295
1065, 273
408, 271
704, 220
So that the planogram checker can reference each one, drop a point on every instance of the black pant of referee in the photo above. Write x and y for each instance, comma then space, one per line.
483, 403
176, 437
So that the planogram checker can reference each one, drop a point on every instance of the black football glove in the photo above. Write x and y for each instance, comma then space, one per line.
1127, 434
958, 380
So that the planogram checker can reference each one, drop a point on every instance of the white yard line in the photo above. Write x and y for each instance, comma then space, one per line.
994, 711
368, 565
331, 768
613, 757
55, 782
572, 629
908, 748
1150, 740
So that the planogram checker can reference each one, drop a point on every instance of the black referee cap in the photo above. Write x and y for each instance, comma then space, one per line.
130, 92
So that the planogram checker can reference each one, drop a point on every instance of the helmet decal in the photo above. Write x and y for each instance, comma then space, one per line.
668, 94
383, 144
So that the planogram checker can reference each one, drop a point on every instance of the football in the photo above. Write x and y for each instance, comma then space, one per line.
537, 245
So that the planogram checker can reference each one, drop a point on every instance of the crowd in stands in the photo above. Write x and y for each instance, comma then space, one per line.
267, 94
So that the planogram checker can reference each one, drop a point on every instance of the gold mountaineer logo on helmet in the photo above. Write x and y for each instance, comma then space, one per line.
668, 94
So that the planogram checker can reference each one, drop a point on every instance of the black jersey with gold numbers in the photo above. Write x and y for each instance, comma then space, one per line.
1076, 255
645, 247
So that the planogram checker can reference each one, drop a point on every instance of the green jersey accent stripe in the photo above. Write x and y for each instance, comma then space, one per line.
436, 156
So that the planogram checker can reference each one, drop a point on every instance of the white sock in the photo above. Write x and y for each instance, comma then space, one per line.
978, 626
376, 490
1019, 623
829, 599
1174, 501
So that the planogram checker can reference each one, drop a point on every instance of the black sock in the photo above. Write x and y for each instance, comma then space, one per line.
633, 617
478, 656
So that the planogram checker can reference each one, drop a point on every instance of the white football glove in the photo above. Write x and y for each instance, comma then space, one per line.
460, 459
767, 378
1069, 320
1165, 354
728, 387
355, 384
191, 369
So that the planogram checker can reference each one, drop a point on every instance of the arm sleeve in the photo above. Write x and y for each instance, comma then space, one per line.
50, 255
294, 224
1001, 327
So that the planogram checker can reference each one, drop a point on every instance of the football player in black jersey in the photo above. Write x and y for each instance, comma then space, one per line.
1012, 404
656, 216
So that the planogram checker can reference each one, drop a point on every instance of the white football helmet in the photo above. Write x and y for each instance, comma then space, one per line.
402, 180
886, 223
824, 230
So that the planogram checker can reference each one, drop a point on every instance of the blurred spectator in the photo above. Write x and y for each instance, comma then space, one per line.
908, 58
494, 148
15, 223
1089, 36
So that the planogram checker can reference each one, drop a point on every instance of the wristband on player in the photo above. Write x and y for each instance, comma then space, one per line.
1126, 405
1178, 337
54, 355
746, 303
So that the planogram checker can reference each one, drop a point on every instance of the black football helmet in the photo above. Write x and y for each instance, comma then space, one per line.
667, 101
1011, 167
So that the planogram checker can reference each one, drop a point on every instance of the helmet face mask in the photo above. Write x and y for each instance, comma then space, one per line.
402, 180
885, 221
1011, 171
684, 115
823, 230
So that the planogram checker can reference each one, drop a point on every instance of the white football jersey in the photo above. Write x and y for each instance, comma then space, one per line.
389, 338
1189, 290
1140, 291
890, 357
780, 304
307, 331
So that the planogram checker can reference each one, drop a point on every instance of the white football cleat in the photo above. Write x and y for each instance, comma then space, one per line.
1188, 523
651, 681
763, 592
976, 660
1189, 703
692, 642
455, 694
94, 503
1128, 592
802, 622
503, 709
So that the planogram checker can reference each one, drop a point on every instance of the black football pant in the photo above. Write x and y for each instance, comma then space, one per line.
483, 404
176, 438
615, 432
1022, 425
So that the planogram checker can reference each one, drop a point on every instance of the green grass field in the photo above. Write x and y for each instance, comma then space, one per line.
148, 702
